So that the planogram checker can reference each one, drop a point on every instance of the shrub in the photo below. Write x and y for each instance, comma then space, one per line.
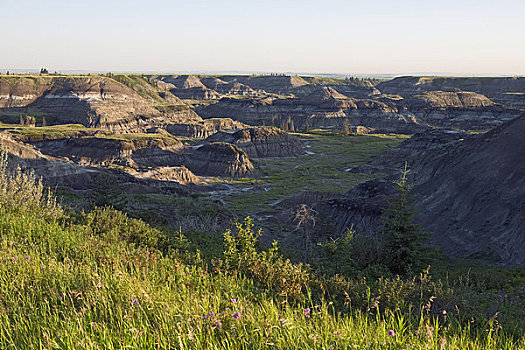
23, 192
113, 225
267, 268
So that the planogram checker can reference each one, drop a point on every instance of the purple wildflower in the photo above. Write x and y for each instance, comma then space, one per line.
211, 313
391, 332
4, 261
416, 332
136, 301
205, 317
218, 324
233, 300
236, 315
307, 310
14, 259
27, 256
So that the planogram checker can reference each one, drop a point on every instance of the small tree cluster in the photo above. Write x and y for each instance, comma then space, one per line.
28, 120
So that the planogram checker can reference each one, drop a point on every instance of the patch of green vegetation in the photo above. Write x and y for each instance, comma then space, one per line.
54, 132
193, 103
171, 107
140, 84
12, 116
322, 171
138, 137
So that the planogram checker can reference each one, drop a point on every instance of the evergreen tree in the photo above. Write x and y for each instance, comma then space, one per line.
403, 248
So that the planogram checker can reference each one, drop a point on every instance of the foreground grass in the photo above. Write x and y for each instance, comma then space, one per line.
64, 287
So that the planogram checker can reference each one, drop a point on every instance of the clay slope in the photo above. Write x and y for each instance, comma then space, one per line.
262, 142
179, 174
473, 196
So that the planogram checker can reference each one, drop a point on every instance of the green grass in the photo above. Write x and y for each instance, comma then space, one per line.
323, 171
191, 102
54, 132
97, 281
140, 85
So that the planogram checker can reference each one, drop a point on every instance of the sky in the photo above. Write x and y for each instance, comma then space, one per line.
468, 37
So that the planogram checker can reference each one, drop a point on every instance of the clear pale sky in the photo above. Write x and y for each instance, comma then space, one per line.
324, 36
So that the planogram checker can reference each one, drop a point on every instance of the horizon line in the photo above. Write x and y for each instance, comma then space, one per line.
245, 72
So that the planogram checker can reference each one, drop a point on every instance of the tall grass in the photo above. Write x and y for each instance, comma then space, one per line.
97, 281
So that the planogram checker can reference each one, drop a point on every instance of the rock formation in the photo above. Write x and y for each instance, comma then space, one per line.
93, 101
262, 142
220, 159
188, 87
204, 128
148, 151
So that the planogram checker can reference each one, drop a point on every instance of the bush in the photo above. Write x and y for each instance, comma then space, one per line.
113, 225
268, 269
23, 192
